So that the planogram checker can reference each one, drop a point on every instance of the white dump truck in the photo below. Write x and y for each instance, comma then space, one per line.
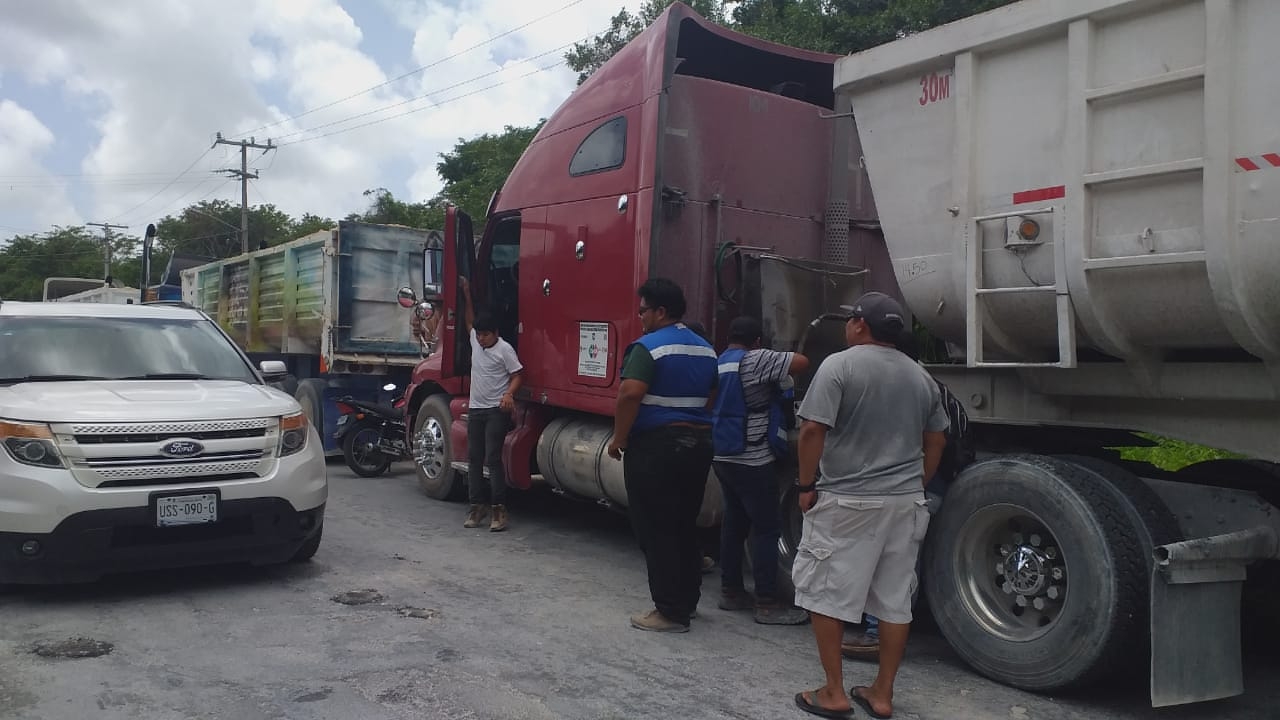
1083, 198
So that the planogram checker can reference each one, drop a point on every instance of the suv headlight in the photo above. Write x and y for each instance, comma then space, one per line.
293, 434
30, 443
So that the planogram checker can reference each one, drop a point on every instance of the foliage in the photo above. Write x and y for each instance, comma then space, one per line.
62, 252
212, 228
832, 26
1170, 454
385, 208
476, 168
472, 172
587, 57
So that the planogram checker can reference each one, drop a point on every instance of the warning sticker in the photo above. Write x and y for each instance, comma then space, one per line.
593, 349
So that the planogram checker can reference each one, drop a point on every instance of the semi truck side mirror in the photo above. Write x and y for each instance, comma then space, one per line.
433, 271
406, 297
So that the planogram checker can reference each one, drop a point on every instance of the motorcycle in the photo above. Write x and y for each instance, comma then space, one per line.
372, 434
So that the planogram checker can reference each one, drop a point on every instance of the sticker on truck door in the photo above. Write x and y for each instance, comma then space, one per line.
593, 349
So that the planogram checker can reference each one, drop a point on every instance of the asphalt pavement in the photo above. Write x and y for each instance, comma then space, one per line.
404, 614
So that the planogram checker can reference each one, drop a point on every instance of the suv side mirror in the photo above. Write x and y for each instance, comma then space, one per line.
406, 297
273, 369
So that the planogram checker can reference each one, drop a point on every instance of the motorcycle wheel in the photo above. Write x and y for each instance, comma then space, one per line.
360, 450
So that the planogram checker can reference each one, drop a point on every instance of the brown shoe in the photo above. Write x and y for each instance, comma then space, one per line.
779, 614
736, 600
861, 647
476, 516
500, 519
654, 621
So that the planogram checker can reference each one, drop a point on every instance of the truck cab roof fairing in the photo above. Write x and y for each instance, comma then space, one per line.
679, 42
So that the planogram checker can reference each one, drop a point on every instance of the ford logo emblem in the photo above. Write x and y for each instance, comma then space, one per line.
182, 449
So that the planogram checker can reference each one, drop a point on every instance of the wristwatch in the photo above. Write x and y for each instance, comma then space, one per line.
806, 488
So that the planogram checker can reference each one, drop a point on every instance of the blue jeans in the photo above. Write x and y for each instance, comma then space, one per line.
750, 511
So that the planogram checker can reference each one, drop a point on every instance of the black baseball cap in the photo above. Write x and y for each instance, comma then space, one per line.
883, 315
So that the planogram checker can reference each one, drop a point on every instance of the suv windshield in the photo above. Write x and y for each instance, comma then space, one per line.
71, 348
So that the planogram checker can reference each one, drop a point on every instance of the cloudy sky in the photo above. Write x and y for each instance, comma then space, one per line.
108, 110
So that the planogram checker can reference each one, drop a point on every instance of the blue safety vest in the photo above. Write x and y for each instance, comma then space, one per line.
729, 421
684, 374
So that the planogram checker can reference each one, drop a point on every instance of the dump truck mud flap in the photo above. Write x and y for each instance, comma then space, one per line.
1195, 614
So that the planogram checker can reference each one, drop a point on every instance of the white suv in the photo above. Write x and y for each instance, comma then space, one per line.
142, 437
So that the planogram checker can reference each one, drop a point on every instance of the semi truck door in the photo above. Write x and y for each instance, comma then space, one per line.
458, 260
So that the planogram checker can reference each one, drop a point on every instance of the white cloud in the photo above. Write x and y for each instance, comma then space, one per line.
31, 189
165, 76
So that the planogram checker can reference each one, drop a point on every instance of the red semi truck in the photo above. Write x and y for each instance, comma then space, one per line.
1045, 214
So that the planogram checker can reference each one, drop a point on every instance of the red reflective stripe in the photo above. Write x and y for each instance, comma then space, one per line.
1272, 158
1247, 164
1039, 195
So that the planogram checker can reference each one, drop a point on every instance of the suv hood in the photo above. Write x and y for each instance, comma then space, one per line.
141, 400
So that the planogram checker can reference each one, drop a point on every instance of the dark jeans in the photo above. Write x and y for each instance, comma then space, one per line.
666, 473
750, 510
486, 431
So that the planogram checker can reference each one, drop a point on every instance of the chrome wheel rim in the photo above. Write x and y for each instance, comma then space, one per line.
429, 449
1012, 572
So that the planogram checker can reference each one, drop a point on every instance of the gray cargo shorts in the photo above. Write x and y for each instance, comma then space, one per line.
858, 554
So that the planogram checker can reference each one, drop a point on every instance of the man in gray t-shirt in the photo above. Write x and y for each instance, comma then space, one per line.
872, 436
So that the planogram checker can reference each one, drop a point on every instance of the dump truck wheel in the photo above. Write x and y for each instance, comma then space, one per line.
1038, 572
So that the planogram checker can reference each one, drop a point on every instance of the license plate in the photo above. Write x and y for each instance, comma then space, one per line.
186, 509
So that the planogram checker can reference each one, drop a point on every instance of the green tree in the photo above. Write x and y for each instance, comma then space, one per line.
832, 26
212, 228
476, 168
309, 223
386, 209
857, 25
62, 252
587, 57
472, 171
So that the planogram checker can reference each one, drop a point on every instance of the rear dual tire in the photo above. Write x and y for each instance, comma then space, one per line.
1039, 569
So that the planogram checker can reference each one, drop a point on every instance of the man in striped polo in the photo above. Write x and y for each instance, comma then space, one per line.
663, 424
749, 436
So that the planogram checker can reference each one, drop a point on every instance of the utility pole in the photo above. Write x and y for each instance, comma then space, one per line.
106, 248
245, 176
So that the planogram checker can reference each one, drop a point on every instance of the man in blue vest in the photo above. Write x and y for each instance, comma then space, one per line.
750, 436
663, 424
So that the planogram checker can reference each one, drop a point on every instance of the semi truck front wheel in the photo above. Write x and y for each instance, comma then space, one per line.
432, 452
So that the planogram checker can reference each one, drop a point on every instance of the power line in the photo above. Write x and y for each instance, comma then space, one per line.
166, 187
38, 254
425, 107
426, 95
123, 182
244, 175
164, 173
412, 72
178, 199
106, 247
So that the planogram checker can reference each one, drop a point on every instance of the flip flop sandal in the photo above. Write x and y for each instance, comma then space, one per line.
812, 707
865, 704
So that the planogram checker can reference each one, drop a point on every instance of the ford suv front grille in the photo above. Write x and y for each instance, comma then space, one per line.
143, 454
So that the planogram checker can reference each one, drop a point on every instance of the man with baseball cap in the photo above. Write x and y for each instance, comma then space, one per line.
872, 436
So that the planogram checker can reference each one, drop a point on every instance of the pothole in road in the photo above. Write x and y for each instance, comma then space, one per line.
419, 613
358, 597
73, 648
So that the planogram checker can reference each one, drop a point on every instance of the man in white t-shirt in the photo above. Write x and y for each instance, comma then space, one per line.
496, 374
